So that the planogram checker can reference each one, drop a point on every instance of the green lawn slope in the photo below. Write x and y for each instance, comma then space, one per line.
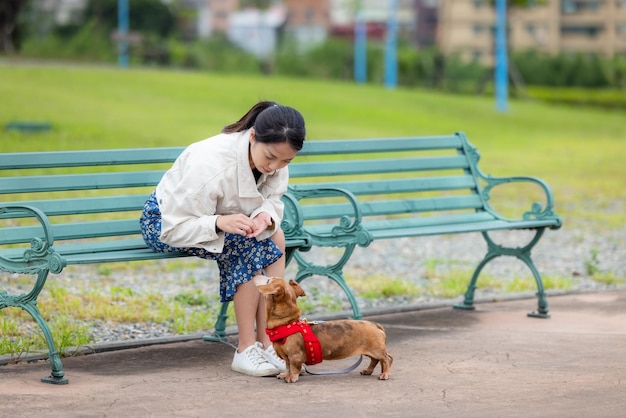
578, 151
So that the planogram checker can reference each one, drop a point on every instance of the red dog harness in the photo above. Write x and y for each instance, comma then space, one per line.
311, 343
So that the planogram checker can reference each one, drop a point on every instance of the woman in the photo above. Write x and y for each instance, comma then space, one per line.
221, 200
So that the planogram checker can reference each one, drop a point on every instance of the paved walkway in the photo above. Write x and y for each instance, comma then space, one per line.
492, 362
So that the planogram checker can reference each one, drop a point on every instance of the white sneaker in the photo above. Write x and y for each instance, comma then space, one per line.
252, 362
274, 359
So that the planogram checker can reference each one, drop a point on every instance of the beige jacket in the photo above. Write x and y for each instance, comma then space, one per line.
211, 178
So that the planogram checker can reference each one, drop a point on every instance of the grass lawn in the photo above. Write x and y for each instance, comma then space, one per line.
578, 151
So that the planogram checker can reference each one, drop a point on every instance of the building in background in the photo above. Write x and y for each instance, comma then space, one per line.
466, 27
308, 21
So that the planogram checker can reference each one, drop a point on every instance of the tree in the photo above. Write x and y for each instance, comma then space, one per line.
146, 16
9, 28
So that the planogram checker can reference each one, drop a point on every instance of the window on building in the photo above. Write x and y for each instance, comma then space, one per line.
621, 30
569, 7
593, 5
578, 6
621, 4
478, 29
479, 4
587, 31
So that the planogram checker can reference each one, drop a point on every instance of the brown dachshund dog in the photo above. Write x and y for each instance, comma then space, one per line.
338, 339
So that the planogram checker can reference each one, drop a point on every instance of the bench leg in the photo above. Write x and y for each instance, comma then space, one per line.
339, 279
522, 253
219, 333
333, 272
468, 301
57, 377
28, 302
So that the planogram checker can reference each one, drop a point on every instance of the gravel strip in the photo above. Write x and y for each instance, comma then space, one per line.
564, 253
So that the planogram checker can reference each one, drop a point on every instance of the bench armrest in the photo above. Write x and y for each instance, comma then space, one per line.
537, 210
41, 254
348, 224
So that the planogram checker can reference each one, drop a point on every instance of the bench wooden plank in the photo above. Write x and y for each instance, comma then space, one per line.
78, 230
395, 185
56, 159
373, 145
71, 206
377, 166
52, 183
114, 250
393, 207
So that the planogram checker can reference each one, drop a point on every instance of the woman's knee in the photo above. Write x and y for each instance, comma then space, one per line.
279, 239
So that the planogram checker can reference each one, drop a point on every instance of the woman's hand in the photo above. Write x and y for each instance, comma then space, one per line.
237, 223
261, 222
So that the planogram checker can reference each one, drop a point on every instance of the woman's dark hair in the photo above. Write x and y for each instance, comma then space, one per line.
272, 123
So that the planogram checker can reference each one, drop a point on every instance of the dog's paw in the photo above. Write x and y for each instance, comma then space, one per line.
292, 378
383, 376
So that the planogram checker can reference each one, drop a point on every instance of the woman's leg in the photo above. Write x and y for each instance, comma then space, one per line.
246, 301
273, 270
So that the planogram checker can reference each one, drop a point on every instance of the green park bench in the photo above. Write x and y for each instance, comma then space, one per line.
82, 207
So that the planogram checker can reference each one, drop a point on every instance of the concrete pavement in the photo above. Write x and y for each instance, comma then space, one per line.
492, 362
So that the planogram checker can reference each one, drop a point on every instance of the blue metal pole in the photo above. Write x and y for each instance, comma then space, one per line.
501, 73
122, 30
391, 47
360, 46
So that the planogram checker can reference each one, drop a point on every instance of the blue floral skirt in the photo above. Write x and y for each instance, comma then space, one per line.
241, 258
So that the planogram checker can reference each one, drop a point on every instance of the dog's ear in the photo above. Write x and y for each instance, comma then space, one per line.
275, 289
296, 288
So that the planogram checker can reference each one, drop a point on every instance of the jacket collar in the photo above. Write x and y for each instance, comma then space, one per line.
246, 183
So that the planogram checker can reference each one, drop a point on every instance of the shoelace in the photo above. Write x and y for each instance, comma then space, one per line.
257, 355
271, 356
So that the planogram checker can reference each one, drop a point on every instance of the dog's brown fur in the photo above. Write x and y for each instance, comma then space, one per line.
339, 339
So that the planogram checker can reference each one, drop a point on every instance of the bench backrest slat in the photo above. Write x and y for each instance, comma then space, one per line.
394, 207
31, 184
109, 228
12, 161
87, 205
332, 147
401, 185
376, 166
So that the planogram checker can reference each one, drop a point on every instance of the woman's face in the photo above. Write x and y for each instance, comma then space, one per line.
268, 158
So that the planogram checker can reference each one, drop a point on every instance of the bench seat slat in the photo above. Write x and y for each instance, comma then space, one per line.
114, 251
443, 226
456, 228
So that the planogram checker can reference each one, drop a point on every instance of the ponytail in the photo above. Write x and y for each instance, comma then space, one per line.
272, 123
247, 121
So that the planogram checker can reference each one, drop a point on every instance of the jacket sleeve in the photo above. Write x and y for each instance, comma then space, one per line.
187, 221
